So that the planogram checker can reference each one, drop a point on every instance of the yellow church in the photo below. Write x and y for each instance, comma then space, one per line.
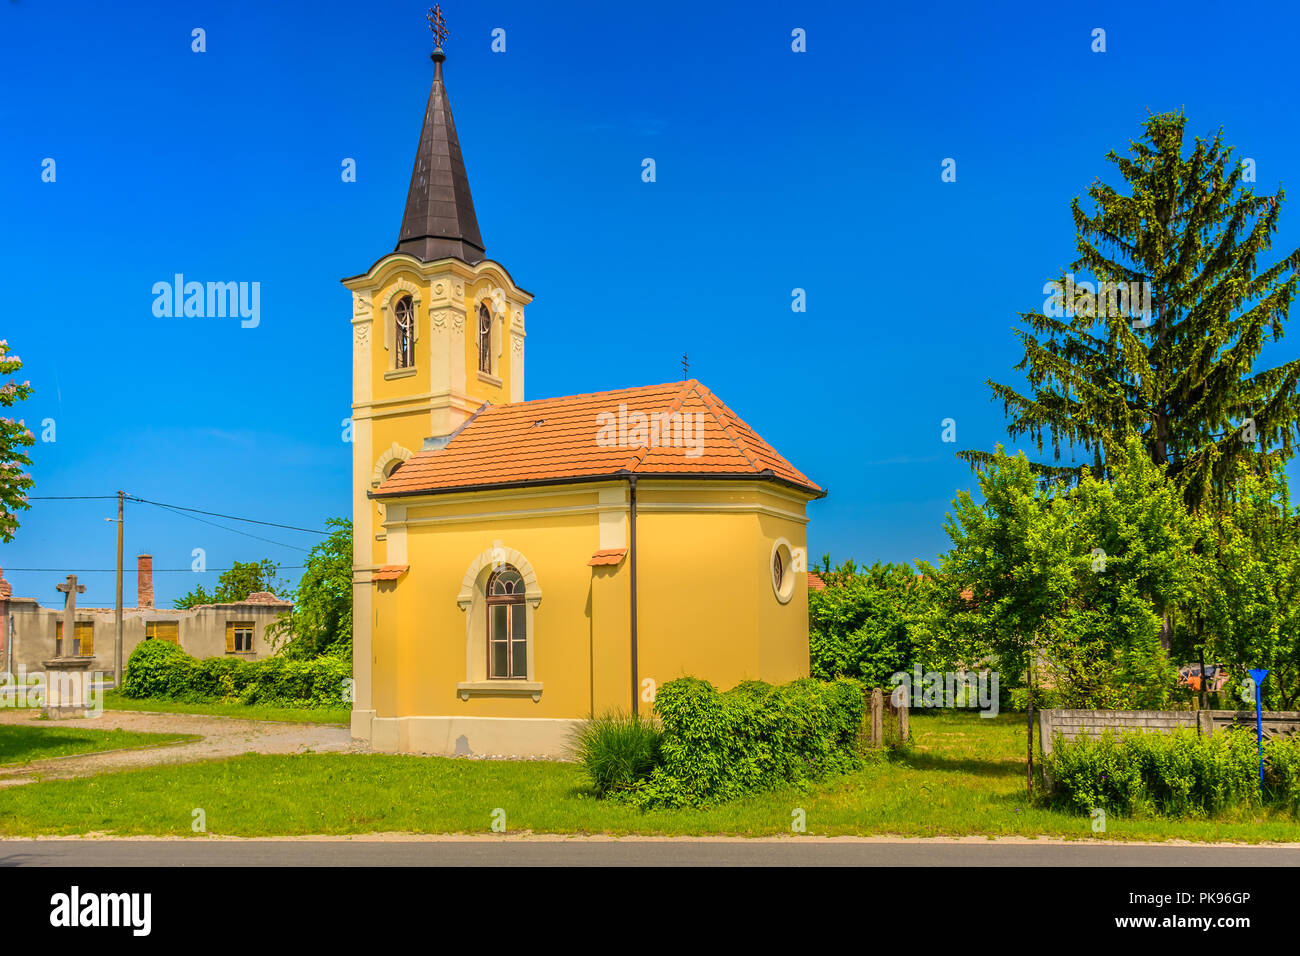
521, 565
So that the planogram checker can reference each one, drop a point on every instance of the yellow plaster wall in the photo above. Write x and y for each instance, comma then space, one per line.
782, 628
612, 648
696, 598
430, 647
706, 605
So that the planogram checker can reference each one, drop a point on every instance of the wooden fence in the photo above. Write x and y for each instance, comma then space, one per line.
883, 724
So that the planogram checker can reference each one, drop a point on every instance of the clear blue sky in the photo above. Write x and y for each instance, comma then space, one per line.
776, 170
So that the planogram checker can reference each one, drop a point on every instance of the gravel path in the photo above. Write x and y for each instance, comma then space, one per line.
221, 737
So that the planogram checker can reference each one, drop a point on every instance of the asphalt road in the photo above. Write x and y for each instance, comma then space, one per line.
539, 852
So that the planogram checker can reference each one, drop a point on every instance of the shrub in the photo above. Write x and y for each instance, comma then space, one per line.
1282, 772
157, 669
306, 683
214, 678
1174, 774
717, 746
618, 750
161, 670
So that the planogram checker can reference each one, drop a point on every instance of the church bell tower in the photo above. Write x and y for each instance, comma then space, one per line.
437, 331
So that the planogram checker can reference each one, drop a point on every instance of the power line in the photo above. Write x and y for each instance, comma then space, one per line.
191, 513
215, 514
70, 498
282, 567
278, 544
159, 504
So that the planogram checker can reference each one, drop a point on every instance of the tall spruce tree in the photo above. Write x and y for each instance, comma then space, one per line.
1183, 376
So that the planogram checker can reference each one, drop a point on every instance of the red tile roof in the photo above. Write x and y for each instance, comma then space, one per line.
601, 434
390, 572
815, 582
609, 556
264, 597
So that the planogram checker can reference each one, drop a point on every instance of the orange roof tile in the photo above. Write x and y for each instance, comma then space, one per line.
264, 597
390, 572
609, 556
815, 582
679, 429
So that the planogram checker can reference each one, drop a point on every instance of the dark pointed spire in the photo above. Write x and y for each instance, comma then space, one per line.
439, 220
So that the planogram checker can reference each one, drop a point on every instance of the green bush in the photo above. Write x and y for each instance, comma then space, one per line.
316, 682
157, 669
1178, 774
214, 678
618, 750
718, 746
1282, 771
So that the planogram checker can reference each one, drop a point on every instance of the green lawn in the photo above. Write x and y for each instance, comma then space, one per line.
966, 776
24, 743
113, 700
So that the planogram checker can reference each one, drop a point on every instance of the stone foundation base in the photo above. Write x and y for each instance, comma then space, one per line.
65, 713
361, 724
468, 736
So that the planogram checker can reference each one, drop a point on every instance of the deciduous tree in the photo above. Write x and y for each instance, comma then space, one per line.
321, 622
15, 481
236, 583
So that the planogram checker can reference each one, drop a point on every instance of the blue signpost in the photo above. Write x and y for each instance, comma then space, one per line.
1258, 675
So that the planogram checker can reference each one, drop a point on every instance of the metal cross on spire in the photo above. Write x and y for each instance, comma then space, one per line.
437, 25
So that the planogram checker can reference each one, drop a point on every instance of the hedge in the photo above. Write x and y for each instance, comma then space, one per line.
161, 670
1173, 774
718, 746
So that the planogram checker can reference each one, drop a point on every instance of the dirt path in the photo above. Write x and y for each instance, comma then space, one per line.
221, 737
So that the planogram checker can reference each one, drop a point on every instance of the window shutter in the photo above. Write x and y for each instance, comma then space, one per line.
86, 635
170, 631
230, 637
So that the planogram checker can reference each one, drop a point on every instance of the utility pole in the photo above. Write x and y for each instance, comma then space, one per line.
117, 644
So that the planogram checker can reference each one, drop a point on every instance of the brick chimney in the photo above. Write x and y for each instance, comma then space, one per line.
144, 581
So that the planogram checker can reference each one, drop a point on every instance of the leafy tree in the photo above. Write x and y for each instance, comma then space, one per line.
1073, 582
1131, 560
1184, 377
1247, 609
1003, 584
321, 622
14, 437
860, 625
236, 583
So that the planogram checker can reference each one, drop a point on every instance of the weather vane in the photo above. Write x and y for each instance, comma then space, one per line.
437, 25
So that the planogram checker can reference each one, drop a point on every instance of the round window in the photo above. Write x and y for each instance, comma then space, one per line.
782, 570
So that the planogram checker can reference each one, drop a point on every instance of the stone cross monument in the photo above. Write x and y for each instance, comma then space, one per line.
67, 676
71, 589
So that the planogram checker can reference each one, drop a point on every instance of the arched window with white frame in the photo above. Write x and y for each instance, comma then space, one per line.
507, 624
